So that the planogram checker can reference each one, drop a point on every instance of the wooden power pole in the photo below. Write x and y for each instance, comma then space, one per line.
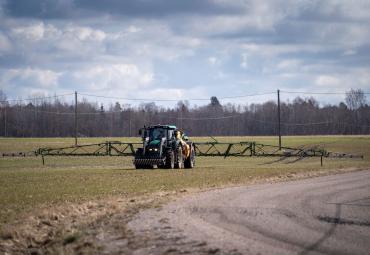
5, 124
76, 124
278, 113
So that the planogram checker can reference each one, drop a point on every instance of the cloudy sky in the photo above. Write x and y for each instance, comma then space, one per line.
183, 49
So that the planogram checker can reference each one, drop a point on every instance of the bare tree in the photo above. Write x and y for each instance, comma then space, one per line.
215, 102
3, 117
302, 116
3, 98
355, 98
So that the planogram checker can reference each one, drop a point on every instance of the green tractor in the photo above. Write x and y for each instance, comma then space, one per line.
166, 147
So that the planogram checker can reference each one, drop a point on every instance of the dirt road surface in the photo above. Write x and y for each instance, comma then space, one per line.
324, 215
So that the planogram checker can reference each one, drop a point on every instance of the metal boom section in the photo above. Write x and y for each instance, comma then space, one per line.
109, 148
202, 149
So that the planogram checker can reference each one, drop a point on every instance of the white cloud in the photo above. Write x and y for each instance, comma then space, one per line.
345, 9
228, 24
5, 45
289, 64
353, 78
83, 33
113, 77
175, 93
220, 75
165, 93
343, 34
30, 77
360, 78
273, 50
327, 80
214, 61
289, 75
254, 16
349, 52
34, 32
69, 37
244, 63
148, 40
147, 78
133, 29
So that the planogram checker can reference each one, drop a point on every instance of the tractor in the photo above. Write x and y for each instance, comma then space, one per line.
164, 146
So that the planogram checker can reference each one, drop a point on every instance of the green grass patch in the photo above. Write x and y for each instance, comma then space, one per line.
26, 184
71, 238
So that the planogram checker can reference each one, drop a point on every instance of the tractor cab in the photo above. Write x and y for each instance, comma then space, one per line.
153, 135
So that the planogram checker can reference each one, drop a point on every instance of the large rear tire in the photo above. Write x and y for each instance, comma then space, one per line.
170, 160
190, 161
179, 162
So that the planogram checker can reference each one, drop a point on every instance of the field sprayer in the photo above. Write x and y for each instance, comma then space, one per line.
165, 146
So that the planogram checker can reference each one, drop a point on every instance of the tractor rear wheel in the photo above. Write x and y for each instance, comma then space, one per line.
179, 162
170, 160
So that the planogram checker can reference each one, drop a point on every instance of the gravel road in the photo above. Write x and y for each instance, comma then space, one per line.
324, 215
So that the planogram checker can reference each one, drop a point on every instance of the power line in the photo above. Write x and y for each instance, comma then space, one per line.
35, 98
250, 95
318, 93
209, 118
66, 113
71, 113
47, 112
200, 118
307, 124
206, 118
174, 100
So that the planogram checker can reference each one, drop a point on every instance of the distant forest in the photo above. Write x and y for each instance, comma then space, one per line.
302, 116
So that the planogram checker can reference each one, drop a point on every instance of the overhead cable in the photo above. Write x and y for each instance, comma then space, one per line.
318, 93
35, 98
175, 100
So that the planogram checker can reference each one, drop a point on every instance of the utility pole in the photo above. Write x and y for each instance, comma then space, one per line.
111, 122
129, 122
181, 117
278, 109
5, 124
76, 118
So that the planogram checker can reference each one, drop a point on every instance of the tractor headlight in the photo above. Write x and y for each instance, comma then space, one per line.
155, 149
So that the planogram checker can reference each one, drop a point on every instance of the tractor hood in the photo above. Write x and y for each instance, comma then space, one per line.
155, 142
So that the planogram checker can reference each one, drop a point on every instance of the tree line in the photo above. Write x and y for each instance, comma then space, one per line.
302, 116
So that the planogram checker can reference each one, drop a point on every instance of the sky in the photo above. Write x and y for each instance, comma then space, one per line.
193, 49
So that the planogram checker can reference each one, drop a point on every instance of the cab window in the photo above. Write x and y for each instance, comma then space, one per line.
157, 134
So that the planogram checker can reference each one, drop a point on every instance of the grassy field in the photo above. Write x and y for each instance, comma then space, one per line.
26, 184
